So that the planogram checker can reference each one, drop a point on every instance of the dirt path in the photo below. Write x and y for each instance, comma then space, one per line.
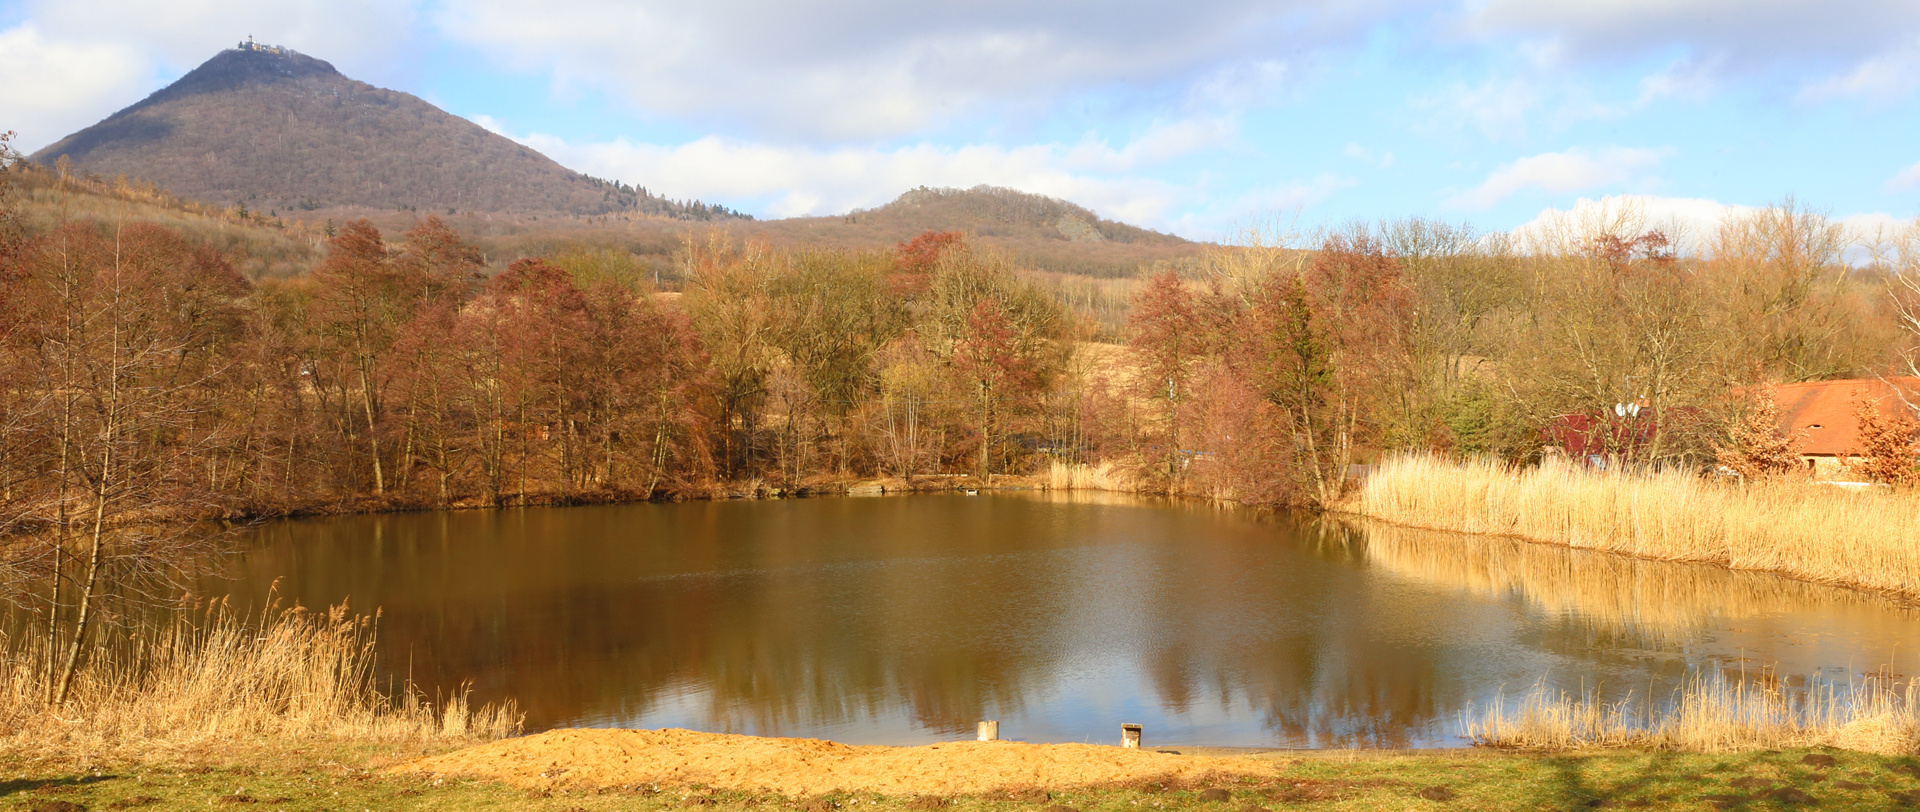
577, 758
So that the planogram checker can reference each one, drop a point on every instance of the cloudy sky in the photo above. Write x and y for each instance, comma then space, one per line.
1194, 117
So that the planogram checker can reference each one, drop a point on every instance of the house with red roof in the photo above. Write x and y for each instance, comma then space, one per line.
1826, 412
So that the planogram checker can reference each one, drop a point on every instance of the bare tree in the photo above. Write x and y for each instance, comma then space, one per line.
122, 370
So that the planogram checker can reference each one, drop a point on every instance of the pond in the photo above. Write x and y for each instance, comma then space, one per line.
902, 620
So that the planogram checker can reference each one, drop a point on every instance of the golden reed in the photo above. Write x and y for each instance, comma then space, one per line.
214, 679
1064, 476
1711, 713
1867, 539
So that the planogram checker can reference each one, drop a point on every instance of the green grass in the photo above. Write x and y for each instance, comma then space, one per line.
1445, 780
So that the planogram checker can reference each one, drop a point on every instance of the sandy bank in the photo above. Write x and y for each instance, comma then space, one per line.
577, 758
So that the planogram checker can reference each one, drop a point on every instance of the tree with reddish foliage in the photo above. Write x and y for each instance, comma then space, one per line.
544, 327
1165, 336
363, 298
1650, 249
424, 361
1249, 452
915, 260
991, 358
447, 266
1287, 359
1757, 448
665, 389
1329, 348
429, 353
1889, 445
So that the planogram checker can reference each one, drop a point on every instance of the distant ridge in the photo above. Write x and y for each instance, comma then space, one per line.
994, 209
1045, 233
273, 128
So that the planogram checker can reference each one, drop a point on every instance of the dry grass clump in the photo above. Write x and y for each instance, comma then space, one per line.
1864, 539
1713, 714
1106, 476
213, 679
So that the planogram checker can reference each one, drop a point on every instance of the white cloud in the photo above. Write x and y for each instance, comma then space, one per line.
50, 87
856, 69
1684, 220
1887, 77
490, 124
1744, 31
1860, 47
1573, 170
1689, 222
785, 180
1163, 141
1905, 180
817, 181
363, 36
1498, 108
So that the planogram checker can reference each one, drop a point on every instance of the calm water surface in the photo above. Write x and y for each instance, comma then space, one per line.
906, 619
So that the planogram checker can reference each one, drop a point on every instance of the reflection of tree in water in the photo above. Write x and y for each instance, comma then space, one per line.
1624, 602
803, 632
1304, 650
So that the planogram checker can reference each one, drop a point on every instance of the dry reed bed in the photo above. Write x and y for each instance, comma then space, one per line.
1106, 476
1864, 539
214, 680
1712, 714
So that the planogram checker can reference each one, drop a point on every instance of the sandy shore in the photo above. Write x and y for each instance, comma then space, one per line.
586, 758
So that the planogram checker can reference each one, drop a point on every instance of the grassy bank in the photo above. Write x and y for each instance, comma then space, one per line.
210, 682
1712, 713
1864, 539
1337, 782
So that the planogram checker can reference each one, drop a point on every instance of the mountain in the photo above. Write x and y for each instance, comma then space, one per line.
275, 129
1043, 232
997, 212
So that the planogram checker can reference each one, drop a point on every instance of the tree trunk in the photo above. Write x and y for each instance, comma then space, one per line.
373, 436
84, 621
984, 473
61, 525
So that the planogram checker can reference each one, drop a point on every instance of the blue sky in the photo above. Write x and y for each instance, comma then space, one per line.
1198, 118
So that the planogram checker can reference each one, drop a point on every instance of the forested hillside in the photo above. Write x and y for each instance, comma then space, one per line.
1046, 233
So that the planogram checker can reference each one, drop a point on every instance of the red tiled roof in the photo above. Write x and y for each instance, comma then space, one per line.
1825, 410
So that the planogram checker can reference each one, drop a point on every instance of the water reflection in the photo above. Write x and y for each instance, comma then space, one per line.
1702, 612
908, 619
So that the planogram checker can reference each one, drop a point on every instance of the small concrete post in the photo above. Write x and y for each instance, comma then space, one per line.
990, 730
1130, 736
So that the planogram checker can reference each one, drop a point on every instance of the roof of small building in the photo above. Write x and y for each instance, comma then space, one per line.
1825, 410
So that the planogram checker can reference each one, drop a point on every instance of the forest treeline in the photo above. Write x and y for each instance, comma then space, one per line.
141, 375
